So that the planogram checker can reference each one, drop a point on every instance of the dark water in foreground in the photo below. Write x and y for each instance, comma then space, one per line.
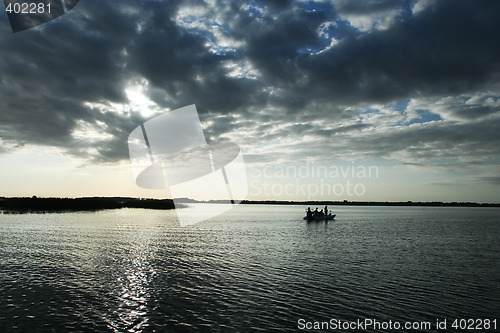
257, 268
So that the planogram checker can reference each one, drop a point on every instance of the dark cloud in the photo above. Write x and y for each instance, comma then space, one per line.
490, 180
367, 7
469, 142
275, 71
474, 111
273, 45
433, 53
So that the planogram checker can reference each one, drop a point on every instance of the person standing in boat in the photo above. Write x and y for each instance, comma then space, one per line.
309, 213
326, 211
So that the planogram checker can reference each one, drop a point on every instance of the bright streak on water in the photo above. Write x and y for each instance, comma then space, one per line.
253, 268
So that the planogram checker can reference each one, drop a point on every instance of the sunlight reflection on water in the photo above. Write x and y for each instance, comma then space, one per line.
253, 268
132, 311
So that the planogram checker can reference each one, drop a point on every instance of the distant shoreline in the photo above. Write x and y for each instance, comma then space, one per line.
48, 205
374, 203
62, 205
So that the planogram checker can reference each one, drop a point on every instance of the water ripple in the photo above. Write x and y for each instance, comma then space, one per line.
135, 271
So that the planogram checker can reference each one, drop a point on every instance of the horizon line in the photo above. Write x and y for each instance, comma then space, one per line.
283, 202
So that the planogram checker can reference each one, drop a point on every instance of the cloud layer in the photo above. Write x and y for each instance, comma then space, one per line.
415, 81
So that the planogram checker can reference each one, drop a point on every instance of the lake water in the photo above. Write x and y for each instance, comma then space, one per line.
255, 268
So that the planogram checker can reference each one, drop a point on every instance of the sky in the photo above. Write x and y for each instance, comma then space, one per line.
328, 100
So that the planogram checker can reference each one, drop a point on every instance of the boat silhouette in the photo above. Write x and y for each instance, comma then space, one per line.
320, 218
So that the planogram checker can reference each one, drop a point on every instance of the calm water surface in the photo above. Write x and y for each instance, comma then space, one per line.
256, 268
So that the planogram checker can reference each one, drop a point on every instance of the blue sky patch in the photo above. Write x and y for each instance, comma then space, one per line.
425, 117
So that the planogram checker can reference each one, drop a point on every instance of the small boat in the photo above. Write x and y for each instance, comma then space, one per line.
321, 218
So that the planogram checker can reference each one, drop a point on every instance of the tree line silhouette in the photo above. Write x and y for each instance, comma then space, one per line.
35, 204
